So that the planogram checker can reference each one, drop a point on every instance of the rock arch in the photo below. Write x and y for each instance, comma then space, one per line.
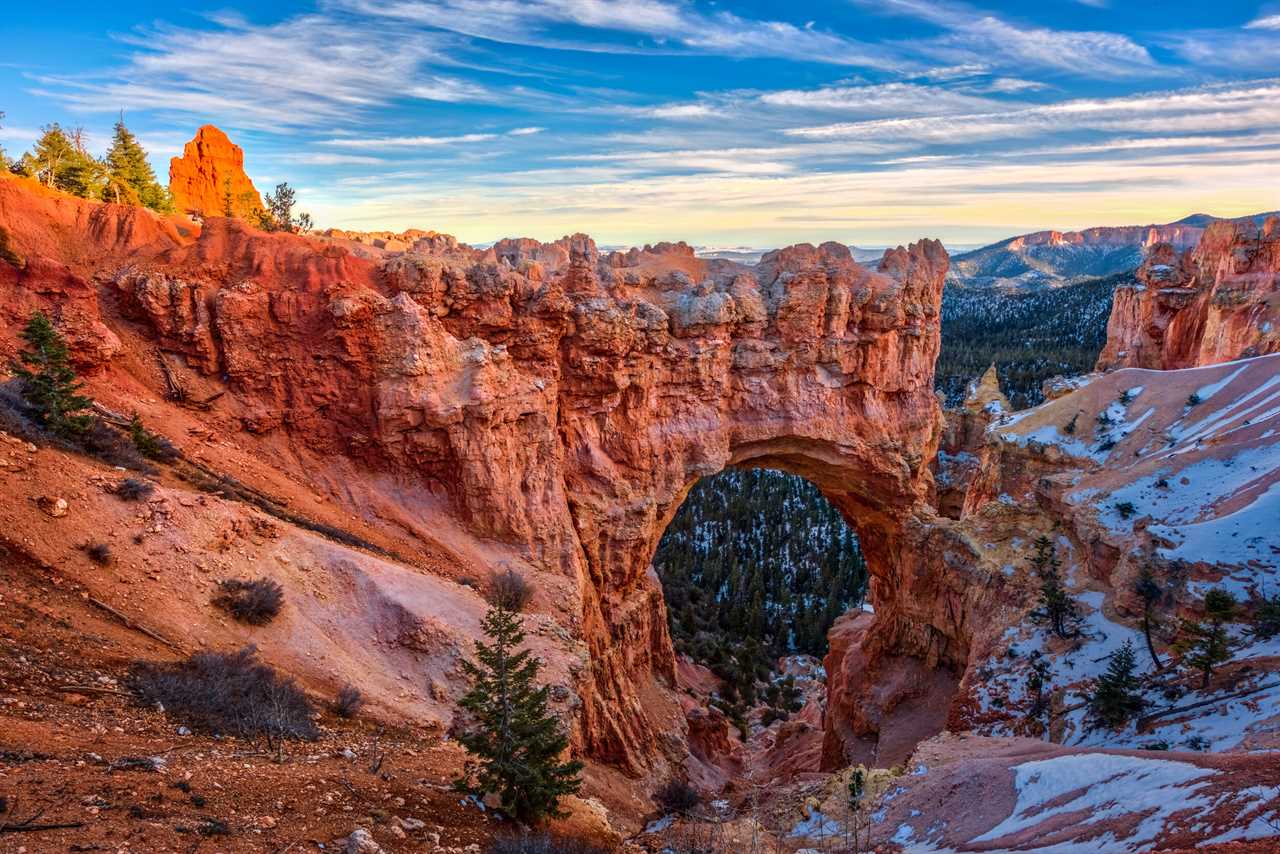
565, 401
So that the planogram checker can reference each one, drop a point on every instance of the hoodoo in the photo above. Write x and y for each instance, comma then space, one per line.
209, 178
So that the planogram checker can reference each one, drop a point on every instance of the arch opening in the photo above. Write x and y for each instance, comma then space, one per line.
756, 566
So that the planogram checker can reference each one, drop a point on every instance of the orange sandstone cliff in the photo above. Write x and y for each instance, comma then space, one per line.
556, 404
209, 178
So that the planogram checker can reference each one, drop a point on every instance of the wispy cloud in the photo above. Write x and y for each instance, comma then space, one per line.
971, 35
299, 72
1209, 108
1264, 22
669, 26
408, 141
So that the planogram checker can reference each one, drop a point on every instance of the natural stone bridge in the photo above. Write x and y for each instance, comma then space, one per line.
565, 402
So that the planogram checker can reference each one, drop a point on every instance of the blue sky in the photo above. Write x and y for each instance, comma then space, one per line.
867, 121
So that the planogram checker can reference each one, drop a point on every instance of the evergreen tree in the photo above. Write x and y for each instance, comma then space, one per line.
130, 179
1206, 644
1115, 698
515, 738
1266, 618
1056, 607
49, 383
1037, 681
280, 208
59, 159
1148, 590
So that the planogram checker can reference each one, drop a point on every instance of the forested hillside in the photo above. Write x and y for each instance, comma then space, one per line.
1029, 336
755, 565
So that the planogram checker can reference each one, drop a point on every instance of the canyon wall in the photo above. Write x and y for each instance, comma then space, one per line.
563, 402
1216, 302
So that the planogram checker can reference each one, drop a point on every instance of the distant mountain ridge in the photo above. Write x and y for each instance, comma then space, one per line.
1054, 258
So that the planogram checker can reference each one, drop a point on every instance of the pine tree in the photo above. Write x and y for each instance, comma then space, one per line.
1149, 592
1205, 645
130, 179
515, 738
280, 208
1266, 618
1115, 698
1037, 681
49, 383
1056, 606
60, 159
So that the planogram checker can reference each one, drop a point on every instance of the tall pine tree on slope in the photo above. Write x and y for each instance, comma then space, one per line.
515, 739
130, 179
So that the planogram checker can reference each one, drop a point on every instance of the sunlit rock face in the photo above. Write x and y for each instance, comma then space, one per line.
565, 400
209, 178
1214, 303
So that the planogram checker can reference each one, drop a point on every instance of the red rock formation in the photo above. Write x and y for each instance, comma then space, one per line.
1214, 303
209, 178
565, 403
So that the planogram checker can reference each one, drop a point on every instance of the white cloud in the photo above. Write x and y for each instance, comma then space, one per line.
1225, 107
407, 141
673, 26
529, 131
972, 36
882, 99
303, 71
1264, 22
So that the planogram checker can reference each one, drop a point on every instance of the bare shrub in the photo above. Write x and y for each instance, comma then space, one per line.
510, 590
541, 843
348, 702
99, 553
676, 796
113, 447
134, 489
254, 602
226, 694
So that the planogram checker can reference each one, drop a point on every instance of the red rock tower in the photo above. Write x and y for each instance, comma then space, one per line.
209, 178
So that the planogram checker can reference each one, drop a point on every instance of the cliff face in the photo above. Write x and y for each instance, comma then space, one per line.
209, 178
563, 402
1214, 303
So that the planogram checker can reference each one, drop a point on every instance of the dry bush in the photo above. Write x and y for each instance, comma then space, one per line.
99, 553
254, 602
676, 796
134, 489
510, 590
348, 702
226, 694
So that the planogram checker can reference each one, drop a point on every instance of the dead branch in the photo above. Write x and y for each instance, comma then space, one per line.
1144, 722
90, 689
131, 624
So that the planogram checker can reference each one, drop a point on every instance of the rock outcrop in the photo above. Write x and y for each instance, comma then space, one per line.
563, 402
1214, 303
209, 178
